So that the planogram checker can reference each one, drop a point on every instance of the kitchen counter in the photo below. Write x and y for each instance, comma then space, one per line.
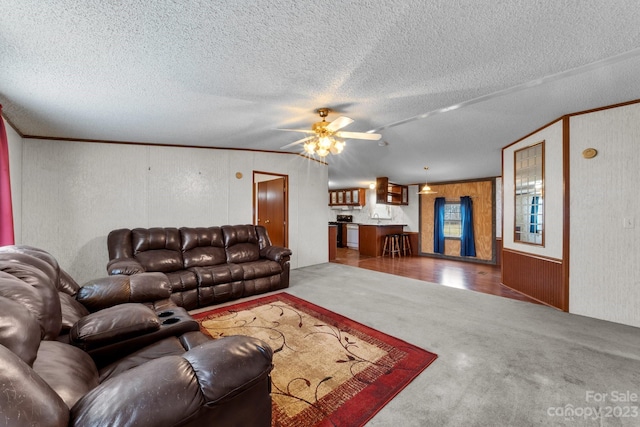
371, 239
380, 225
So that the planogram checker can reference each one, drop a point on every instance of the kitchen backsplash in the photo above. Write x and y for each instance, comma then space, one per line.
387, 214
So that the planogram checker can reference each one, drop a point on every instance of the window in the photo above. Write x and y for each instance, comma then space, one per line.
452, 220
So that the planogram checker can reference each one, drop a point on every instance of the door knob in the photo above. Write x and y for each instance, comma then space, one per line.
267, 221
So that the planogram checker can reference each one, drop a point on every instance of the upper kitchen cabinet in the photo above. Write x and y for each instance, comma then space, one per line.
388, 193
355, 197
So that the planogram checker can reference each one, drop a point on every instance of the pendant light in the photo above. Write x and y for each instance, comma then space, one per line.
426, 189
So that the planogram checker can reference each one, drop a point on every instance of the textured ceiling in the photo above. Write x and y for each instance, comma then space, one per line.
447, 83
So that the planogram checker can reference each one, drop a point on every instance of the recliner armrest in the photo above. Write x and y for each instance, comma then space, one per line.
174, 322
275, 253
113, 290
112, 325
126, 266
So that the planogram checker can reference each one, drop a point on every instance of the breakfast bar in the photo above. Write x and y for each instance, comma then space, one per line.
372, 237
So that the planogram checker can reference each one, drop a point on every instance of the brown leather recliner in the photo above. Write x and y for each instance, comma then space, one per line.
63, 365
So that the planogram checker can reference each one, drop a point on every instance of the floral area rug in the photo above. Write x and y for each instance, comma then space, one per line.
328, 370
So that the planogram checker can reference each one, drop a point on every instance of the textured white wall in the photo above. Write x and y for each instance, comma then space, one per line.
74, 193
604, 266
15, 170
553, 190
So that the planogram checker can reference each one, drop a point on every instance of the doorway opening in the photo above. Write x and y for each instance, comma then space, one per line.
271, 205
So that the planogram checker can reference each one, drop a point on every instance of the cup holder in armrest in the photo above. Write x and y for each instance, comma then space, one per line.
170, 321
165, 314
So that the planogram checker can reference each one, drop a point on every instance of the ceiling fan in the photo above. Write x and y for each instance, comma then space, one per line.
326, 137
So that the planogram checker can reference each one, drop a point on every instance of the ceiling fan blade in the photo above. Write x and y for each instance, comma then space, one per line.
358, 135
300, 141
298, 130
339, 123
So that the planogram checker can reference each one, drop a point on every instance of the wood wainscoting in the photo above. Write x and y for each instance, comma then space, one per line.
538, 277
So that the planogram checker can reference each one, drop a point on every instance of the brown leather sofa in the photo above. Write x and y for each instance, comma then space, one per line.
204, 266
117, 352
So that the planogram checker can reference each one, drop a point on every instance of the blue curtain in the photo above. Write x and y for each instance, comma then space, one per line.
533, 228
467, 241
438, 226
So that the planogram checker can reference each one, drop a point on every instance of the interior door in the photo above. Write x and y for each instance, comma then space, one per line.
271, 212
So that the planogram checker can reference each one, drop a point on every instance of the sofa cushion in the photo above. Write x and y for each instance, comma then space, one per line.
216, 294
261, 268
184, 287
160, 260
241, 242
167, 347
218, 274
157, 249
35, 257
27, 397
44, 304
112, 324
202, 246
67, 284
147, 239
69, 371
19, 331
72, 311
183, 280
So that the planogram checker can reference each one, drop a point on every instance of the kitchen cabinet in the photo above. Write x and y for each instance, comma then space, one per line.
388, 193
348, 197
333, 243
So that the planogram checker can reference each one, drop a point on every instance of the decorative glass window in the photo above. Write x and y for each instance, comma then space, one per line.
529, 194
452, 220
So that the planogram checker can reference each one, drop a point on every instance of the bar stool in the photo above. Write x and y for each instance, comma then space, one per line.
406, 244
392, 245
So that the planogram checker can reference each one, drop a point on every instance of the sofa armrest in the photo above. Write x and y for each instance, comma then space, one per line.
204, 386
276, 253
126, 266
113, 290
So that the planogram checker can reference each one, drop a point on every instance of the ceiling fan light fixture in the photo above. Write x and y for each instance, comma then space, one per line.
327, 137
325, 142
322, 152
337, 147
310, 147
323, 145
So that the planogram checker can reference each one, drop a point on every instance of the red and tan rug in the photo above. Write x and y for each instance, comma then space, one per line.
328, 370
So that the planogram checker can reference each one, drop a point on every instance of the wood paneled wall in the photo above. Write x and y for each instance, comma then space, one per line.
482, 194
537, 277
